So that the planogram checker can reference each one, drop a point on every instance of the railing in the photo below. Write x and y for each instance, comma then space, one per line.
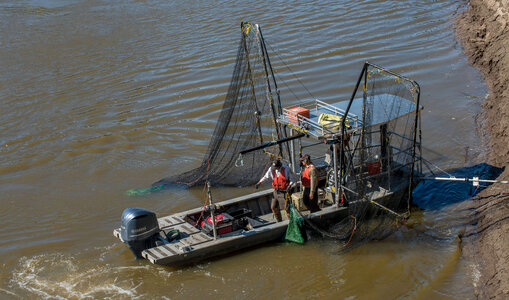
312, 127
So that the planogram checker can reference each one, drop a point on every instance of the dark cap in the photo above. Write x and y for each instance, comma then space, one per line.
276, 163
305, 157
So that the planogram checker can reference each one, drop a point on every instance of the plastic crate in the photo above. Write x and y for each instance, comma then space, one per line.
295, 114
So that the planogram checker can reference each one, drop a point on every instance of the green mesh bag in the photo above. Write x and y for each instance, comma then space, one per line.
295, 227
143, 192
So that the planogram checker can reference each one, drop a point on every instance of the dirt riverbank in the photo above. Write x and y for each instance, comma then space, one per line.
483, 30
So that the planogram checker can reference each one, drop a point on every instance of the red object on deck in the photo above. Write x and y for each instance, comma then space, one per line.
374, 167
296, 112
223, 223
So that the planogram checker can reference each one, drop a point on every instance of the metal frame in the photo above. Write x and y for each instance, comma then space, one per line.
299, 123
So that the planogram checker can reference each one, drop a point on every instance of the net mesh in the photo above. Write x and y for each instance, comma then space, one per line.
295, 227
246, 120
378, 163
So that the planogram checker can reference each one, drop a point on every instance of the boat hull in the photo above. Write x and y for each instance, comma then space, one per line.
195, 246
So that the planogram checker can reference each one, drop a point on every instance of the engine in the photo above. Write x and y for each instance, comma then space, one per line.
139, 229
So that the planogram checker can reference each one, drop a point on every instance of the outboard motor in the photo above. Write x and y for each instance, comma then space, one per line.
139, 229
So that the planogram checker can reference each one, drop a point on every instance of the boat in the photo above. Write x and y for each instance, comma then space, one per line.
366, 149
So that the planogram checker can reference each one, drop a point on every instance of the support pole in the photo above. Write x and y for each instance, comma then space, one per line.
474, 180
336, 184
251, 81
272, 143
292, 153
212, 208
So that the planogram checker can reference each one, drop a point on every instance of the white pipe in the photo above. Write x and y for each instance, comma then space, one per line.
474, 180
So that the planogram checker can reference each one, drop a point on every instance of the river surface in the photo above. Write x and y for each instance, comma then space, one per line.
98, 97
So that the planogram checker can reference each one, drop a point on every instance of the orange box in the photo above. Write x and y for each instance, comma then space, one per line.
295, 113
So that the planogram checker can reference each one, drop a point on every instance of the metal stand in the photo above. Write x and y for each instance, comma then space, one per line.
212, 209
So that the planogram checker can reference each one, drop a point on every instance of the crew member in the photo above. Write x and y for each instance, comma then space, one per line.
282, 180
309, 182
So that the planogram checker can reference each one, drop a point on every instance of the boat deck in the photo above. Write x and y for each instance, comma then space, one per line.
195, 245
192, 239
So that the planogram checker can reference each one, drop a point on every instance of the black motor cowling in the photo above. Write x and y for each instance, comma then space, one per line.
139, 229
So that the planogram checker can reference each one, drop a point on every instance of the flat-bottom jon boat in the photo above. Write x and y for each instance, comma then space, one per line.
365, 150
247, 221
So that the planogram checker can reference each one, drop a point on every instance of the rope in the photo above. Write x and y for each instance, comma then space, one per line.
385, 208
354, 227
291, 72
204, 191
428, 162
288, 199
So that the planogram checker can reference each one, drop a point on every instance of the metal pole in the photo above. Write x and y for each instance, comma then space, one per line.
212, 209
475, 179
364, 68
246, 53
292, 152
416, 130
274, 114
272, 143
280, 109
336, 185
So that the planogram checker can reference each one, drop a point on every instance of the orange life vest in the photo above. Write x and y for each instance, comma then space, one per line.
306, 179
279, 183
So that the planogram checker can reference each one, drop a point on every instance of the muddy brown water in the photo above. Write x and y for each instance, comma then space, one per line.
97, 97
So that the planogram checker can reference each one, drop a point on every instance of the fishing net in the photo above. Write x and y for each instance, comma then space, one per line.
247, 119
378, 157
375, 149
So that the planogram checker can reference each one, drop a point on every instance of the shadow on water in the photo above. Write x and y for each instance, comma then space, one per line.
434, 195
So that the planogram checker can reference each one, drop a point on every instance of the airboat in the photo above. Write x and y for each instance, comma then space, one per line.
366, 149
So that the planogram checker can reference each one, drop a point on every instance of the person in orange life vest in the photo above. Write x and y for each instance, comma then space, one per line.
282, 180
309, 182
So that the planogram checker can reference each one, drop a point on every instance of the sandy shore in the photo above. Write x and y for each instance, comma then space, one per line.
484, 32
